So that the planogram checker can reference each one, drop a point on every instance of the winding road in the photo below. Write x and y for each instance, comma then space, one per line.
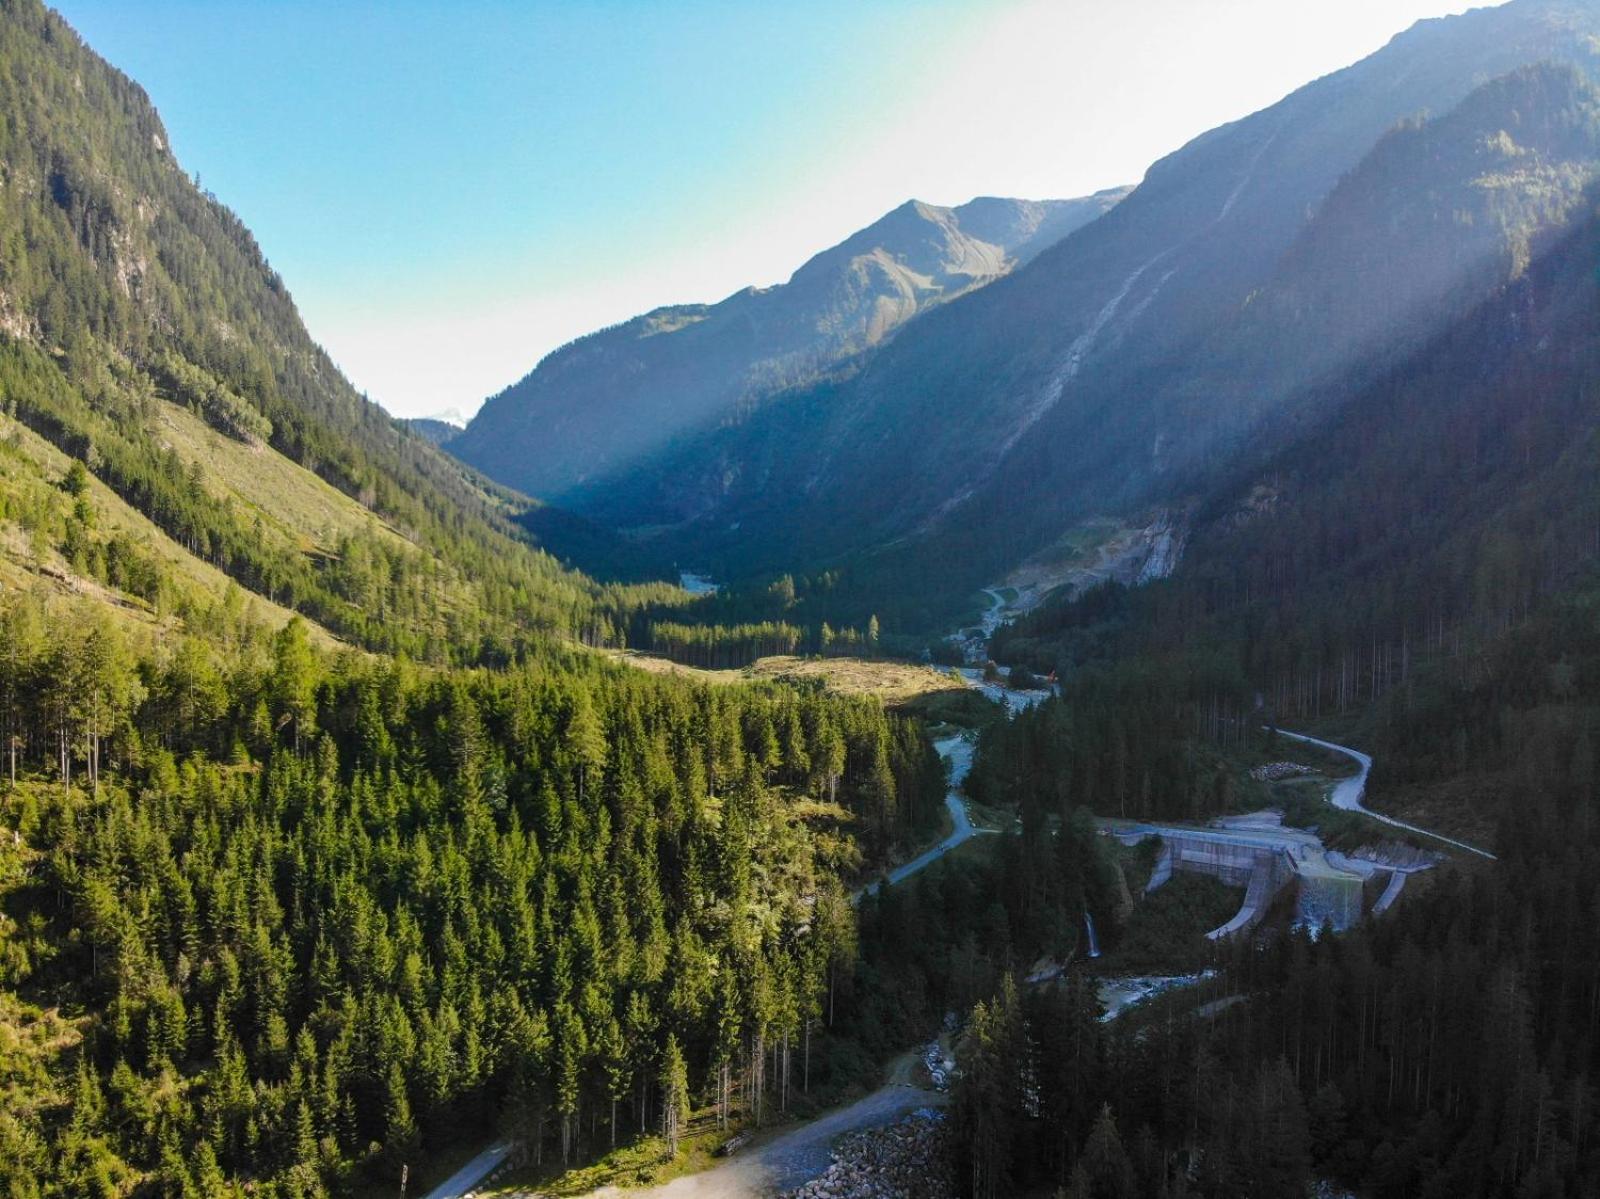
1348, 793
802, 1153
957, 751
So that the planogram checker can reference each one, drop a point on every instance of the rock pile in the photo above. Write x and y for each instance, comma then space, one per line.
1274, 772
908, 1160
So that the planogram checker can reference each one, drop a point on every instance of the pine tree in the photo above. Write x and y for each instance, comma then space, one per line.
294, 675
1105, 1161
400, 1129
585, 741
674, 1094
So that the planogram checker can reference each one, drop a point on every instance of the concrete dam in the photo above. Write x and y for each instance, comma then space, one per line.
1263, 858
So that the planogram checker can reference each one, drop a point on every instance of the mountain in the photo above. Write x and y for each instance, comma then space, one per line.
144, 334
327, 844
1449, 496
439, 432
1416, 577
594, 407
1248, 272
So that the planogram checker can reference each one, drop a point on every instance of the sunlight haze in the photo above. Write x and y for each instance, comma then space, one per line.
552, 169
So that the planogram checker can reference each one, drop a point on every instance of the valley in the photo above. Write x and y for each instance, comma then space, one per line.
831, 741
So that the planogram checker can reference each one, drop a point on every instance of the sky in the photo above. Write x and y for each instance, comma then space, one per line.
453, 190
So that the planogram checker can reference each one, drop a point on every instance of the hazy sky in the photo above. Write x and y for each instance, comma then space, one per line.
451, 190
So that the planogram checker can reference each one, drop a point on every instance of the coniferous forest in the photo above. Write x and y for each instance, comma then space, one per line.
328, 910
360, 816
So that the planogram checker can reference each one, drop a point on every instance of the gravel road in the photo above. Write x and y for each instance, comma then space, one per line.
791, 1158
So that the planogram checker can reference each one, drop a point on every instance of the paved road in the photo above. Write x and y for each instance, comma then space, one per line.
957, 751
470, 1175
1348, 793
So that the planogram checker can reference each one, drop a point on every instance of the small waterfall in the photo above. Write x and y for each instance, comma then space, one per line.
1334, 900
1094, 941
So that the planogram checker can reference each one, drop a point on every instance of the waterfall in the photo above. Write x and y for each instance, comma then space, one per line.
1329, 899
1094, 941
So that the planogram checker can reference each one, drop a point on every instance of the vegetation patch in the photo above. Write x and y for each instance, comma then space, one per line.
1305, 804
1167, 929
895, 683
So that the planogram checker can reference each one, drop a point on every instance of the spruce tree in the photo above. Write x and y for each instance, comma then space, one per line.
674, 1083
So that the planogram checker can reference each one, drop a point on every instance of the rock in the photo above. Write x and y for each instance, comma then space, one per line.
1274, 772
908, 1160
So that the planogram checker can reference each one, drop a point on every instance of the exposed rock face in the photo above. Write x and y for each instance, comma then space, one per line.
1274, 772
908, 1160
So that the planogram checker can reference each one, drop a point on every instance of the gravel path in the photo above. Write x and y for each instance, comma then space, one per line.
788, 1160
957, 751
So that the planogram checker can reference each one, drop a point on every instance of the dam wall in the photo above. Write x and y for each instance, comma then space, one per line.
1261, 867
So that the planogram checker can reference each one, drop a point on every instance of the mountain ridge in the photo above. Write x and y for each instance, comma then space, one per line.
126, 289
1083, 383
591, 407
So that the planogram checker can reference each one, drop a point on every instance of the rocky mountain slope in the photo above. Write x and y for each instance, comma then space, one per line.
594, 407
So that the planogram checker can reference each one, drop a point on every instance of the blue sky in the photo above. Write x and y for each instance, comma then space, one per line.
453, 190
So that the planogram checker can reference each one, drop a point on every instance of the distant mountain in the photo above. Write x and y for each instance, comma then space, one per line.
440, 432
1228, 297
595, 406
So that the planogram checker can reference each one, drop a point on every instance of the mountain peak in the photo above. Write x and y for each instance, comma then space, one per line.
594, 407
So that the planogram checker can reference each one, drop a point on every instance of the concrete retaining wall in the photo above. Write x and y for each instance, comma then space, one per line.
1262, 869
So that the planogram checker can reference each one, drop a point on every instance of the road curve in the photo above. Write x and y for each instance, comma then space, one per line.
757, 1168
1348, 793
957, 751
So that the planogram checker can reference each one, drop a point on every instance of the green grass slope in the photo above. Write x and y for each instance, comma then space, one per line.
126, 290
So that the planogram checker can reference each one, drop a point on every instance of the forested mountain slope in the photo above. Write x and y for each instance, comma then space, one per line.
276, 923
1376, 563
592, 408
290, 908
1420, 572
134, 306
1110, 371
436, 431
